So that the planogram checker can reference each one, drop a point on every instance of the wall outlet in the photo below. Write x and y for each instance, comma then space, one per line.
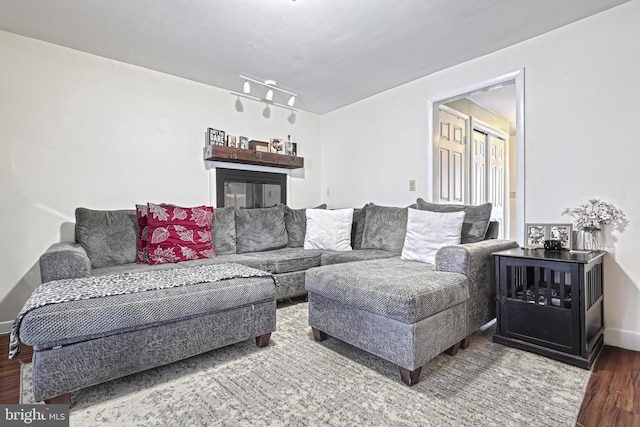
412, 185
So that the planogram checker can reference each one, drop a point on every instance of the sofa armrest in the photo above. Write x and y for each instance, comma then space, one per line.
474, 261
64, 261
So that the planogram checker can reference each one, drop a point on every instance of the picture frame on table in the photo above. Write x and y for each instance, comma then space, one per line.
562, 232
243, 142
535, 235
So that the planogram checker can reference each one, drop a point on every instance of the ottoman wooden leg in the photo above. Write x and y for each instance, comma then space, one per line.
263, 340
465, 342
410, 377
451, 351
318, 335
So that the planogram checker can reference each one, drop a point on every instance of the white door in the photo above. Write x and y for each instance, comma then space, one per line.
479, 180
488, 172
496, 187
451, 158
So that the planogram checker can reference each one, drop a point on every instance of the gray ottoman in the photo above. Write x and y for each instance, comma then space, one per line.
402, 311
82, 343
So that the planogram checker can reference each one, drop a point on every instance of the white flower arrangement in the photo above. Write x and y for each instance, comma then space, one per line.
595, 214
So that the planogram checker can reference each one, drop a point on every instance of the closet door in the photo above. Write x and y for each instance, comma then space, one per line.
496, 176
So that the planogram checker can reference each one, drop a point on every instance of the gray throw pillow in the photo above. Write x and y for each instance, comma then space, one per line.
357, 228
260, 229
384, 228
295, 221
476, 218
108, 237
224, 230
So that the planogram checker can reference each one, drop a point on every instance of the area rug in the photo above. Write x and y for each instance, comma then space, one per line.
299, 382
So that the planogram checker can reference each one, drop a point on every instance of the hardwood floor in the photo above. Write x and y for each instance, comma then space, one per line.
10, 371
612, 397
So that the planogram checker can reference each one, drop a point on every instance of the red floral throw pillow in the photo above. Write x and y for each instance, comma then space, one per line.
178, 234
141, 216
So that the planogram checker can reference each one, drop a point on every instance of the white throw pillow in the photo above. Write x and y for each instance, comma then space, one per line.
328, 229
429, 231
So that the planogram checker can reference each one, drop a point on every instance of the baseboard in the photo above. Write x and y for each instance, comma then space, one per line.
5, 327
622, 338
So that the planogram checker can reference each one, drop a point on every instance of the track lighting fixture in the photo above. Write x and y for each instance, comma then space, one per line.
271, 85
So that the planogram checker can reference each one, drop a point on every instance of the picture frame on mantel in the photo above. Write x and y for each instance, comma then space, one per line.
216, 137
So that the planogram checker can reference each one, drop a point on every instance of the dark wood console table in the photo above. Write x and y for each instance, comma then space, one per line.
551, 303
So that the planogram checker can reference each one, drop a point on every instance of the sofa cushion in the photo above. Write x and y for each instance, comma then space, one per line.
295, 221
333, 257
260, 229
286, 260
328, 229
429, 231
407, 291
357, 228
224, 230
384, 228
108, 237
219, 259
179, 234
476, 218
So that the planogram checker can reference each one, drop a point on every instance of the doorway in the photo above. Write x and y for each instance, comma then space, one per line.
476, 161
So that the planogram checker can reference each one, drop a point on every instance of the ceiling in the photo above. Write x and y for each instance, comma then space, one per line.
330, 52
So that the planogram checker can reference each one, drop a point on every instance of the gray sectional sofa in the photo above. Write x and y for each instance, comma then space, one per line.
267, 239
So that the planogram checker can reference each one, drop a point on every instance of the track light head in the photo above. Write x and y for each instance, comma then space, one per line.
246, 88
292, 101
269, 96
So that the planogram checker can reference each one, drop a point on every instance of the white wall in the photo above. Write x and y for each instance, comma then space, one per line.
81, 130
581, 105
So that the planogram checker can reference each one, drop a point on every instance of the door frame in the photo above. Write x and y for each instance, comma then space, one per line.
514, 77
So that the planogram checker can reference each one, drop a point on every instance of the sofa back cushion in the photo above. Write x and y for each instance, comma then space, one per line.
295, 221
108, 237
224, 230
260, 229
384, 228
476, 218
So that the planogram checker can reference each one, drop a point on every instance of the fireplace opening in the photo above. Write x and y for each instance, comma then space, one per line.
250, 189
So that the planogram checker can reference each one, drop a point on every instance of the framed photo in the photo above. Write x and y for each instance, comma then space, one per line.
216, 137
536, 234
276, 146
243, 142
231, 141
562, 232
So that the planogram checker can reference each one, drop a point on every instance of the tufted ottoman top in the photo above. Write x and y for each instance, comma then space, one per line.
407, 291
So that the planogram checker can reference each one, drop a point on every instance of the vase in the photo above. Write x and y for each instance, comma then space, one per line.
591, 239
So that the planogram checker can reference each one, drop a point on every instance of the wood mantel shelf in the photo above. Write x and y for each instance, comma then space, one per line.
220, 153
